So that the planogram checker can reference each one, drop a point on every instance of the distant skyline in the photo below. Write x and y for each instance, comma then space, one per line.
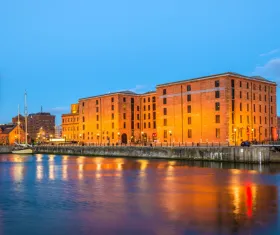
60, 51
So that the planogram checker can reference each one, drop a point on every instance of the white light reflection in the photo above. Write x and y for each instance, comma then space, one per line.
18, 172
39, 172
80, 162
64, 167
51, 172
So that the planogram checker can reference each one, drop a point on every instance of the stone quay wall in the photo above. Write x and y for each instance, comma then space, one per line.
221, 154
253, 154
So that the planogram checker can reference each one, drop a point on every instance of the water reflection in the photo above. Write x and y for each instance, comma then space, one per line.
124, 196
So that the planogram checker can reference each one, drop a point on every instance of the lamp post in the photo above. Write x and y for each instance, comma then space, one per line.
252, 133
234, 136
119, 134
170, 134
142, 137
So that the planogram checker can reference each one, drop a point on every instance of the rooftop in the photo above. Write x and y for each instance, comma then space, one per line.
7, 128
259, 78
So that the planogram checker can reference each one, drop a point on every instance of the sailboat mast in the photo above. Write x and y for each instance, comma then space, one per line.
18, 126
25, 113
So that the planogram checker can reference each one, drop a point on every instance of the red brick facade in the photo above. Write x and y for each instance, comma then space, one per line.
219, 108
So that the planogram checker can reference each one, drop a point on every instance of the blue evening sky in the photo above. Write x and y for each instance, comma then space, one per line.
63, 50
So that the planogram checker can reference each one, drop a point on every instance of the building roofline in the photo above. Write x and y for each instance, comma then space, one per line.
130, 93
255, 78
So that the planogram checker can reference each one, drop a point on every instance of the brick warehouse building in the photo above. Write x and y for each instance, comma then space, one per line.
225, 107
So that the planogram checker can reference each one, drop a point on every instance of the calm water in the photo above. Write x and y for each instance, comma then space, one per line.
48, 194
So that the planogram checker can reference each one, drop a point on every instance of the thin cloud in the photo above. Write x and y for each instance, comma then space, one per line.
271, 52
137, 88
270, 70
58, 110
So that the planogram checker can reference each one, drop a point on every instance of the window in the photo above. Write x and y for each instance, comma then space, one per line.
189, 133
154, 115
124, 125
240, 118
247, 85
165, 134
264, 97
96, 102
138, 125
149, 125
97, 126
138, 108
240, 107
113, 135
149, 107
165, 122
149, 99
154, 99
265, 132
217, 94
271, 109
260, 108
189, 120
144, 116
265, 108
83, 104
240, 84
149, 116
254, 107
260, 120
189, 88
189, 98
217, 106
271, 121
217, 118
248, 120
155, 126
97, 117
271, 99
164, 91
254, 119
83, 119
112, 107
144, 100
113, 116
113, 125
247, 107
217, 83
154, 107
124, 116
138, 116
218, 133
189, 109
254, 97
164, 111
164, 101
260, 87
112, 99
247, 95
144, 124
144, 107
240, 94
265, 120
260, 97
124, 99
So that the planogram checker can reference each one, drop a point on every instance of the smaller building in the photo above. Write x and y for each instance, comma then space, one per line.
70, 124
11, 133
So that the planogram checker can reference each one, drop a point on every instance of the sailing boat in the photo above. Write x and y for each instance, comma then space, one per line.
23, 148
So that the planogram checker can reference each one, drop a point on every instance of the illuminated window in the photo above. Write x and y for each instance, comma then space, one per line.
189, 120
217, 118
217, 133
165, 122
189, 133
217, 106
